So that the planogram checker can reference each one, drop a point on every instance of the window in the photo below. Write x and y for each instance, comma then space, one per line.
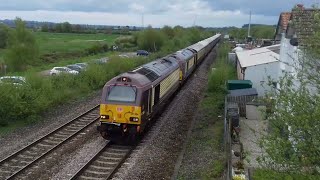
122, 94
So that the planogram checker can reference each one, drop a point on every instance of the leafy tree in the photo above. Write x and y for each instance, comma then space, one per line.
168, 31
45, 28
58, 28
4, 33
293, 142
150, 40
66, 27
22, 48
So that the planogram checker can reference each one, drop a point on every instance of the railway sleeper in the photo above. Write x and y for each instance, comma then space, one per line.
113, 154
61, 136
112, 159
104, 163
23, 156
99, 168
118, 150
56, 139
44, 146
32, 152
89, 173
79, 124
90, 178
71, 129
50, 141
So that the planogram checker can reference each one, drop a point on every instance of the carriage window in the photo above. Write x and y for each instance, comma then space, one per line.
122, 94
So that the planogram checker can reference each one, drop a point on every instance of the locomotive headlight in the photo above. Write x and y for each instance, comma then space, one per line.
104, 117
134, 119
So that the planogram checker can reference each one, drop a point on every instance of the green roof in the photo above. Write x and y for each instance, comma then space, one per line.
239, 82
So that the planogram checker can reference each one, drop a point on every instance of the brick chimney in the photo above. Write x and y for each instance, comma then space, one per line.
300, 6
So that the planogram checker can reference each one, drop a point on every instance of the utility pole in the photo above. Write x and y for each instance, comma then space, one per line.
249, 25
142, 21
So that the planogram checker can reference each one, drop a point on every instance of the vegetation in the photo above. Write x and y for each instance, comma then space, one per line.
292, 145
4, 34
207, 135
22, 48
26, 103
262, 174
257, 32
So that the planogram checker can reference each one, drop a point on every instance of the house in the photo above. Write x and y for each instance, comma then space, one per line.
259, 65
284, 19
300, 28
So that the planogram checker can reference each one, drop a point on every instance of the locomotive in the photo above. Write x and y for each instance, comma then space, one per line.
130, 100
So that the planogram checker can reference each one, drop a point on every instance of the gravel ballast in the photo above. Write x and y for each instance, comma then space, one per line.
53, 119
157, 154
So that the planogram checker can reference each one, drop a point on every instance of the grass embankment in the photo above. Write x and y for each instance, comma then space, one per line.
205, 146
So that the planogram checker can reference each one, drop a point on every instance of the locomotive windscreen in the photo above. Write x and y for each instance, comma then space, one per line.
122, 94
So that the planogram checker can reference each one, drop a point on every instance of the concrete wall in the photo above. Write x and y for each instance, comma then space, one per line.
259, 76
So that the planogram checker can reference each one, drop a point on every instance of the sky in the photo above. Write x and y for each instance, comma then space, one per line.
157, 13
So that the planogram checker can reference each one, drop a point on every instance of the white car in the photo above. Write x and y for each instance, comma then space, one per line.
15, 80
59, 70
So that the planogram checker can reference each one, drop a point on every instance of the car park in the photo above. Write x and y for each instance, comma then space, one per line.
75, 67
60, 70
142, 53
14, 80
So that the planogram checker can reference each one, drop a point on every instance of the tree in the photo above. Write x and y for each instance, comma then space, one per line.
293, 142
4, 33
45, 28
168, 31
150, 40
66, 27
22, 48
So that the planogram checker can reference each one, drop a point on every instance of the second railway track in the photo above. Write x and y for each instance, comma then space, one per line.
19, 161
105, 163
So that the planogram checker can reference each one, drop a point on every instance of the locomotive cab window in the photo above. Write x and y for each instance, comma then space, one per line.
122, 94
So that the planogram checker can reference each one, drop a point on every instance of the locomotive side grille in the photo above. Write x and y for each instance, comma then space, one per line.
152, 76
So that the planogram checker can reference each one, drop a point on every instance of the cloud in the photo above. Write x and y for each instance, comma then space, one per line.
205, 18
157, 13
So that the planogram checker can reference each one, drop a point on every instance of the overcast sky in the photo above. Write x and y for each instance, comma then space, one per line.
207, 13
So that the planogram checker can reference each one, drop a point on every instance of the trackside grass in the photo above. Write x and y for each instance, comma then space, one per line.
205, 146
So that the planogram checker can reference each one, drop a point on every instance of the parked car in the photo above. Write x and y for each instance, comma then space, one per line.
123, 56
75, 67
142, 53
59, 70
101, 61
83, 65
15, 80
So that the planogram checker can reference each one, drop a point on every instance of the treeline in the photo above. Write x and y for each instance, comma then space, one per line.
167, 39
257, 32
66, 27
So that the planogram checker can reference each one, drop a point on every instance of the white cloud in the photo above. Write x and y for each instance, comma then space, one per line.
206, 18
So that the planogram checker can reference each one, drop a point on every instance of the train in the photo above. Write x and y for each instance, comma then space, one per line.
131, 100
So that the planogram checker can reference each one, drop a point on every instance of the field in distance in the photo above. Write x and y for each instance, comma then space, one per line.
70, 42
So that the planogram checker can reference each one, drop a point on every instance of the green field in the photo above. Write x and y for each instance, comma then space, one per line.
69, 42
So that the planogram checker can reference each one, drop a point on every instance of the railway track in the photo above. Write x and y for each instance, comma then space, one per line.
105, 163
23, 159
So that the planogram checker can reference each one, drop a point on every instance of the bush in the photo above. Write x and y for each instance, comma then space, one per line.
222, 71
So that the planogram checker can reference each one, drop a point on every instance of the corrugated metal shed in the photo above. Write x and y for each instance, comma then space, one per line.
258, 56
243, 92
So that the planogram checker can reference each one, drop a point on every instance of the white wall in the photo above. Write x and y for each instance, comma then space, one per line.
259, 75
